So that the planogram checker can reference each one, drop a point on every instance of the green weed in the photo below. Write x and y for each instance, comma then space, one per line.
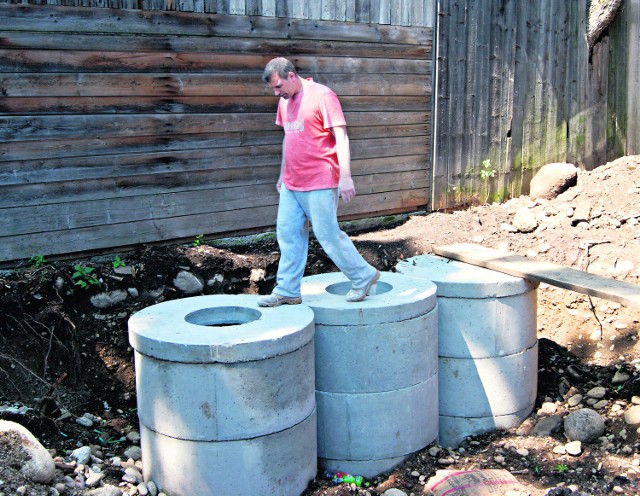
37, 261
84, 277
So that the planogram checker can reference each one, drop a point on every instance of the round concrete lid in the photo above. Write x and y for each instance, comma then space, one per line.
461, 280
219, 328
398, 297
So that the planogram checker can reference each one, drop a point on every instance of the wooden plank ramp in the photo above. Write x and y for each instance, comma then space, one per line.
547, 272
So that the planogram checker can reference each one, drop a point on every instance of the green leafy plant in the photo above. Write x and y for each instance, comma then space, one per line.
37, 260
199, 240
84, 277
117, 262
561, 467
486, 172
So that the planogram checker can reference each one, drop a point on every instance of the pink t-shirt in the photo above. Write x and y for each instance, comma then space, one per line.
310, 159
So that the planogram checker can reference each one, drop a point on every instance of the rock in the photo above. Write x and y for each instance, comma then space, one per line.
525, 220
153, 489
553, 179
575, 400
94, 479
132, 475
583, 425
620, 377
109, 299
82, 455
632, 415
188, 283
597, 392
394, 492
133, 452
39, 467
582, 213
546, 426
84, 421
134, 436
257, 275
105, 491
574, 448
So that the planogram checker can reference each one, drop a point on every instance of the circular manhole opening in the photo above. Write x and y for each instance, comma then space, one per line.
223, 316
342, 288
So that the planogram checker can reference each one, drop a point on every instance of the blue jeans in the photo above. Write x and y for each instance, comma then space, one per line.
319, 207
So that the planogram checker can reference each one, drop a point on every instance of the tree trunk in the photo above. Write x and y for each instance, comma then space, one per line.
601, 14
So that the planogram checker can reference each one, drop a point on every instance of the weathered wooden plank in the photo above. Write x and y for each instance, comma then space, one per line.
18, 40
227, 223
113, 210
205, 85
28, 128
113, 145
63, 61
74, 19
549, 273
177, 162
195, 104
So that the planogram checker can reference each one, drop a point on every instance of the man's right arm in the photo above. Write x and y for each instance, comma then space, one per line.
279, 183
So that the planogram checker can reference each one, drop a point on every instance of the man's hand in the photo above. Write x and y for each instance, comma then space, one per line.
346, 188
279, 183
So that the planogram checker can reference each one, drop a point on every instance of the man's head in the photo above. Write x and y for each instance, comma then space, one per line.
281, 76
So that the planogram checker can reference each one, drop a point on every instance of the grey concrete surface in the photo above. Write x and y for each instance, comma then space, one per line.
230, 387
282, 463
487, 345
376, 370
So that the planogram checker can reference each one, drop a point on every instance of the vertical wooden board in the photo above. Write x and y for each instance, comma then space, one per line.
555, 128
362, 9
268, 8
633, 87
439, 173
395, 12
518, 20
300, 9
381, 13
328, 9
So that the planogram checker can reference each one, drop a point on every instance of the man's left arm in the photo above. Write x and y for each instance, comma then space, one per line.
346, 188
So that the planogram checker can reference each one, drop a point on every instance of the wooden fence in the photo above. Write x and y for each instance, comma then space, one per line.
121, 127
518, 87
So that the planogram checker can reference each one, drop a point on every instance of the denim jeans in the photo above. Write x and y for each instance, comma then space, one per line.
319, 207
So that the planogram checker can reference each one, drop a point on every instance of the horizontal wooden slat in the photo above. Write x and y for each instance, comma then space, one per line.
202, 85
115, 210
132, 233
56, 61
112, 21
179, 162
38, 127
114, 145
160, 43
201, 104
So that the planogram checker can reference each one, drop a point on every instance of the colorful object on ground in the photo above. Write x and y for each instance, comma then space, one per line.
344, 478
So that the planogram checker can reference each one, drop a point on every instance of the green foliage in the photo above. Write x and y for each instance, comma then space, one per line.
486, 170
37, 261
117, 262
84, 277
561, 467
199, 240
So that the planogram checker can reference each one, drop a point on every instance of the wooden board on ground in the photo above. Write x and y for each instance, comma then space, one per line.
549, 273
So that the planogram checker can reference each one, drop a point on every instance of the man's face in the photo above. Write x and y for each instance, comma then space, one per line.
284, 88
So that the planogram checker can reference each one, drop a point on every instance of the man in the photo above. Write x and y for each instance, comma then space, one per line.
315, 171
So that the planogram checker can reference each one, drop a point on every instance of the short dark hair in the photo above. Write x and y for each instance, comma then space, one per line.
280, 66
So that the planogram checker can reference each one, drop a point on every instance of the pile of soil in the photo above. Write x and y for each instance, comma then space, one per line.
61, 356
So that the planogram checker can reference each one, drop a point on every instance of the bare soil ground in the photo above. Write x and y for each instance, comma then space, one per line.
58, 353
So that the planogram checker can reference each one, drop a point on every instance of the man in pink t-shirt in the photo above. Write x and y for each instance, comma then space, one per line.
315, 171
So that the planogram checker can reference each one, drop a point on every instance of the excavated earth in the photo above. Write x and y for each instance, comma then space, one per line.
61, 357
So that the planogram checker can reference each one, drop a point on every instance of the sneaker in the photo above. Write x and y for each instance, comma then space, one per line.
275, 300
360, 294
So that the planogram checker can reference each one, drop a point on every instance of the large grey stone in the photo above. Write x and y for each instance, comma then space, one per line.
583, 425
553, 179
39, 467
525, 220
